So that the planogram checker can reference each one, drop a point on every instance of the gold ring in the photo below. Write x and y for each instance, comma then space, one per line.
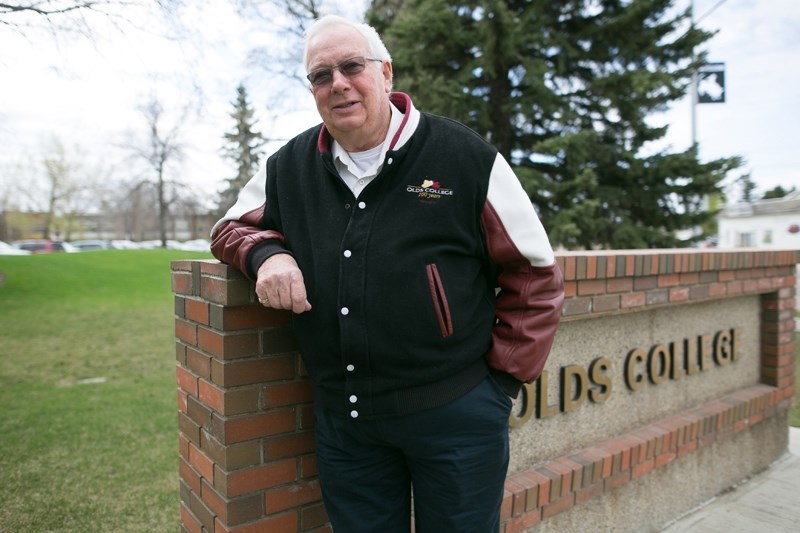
264, 300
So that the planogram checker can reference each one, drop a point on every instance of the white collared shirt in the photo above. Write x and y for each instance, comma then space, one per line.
357, 169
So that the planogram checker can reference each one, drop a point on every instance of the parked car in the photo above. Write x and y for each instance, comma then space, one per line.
7, 249
43, 246
91, 244
196, 245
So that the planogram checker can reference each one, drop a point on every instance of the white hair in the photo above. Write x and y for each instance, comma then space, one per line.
376, 47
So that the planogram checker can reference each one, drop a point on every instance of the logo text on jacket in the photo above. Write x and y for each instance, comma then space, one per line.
430, 190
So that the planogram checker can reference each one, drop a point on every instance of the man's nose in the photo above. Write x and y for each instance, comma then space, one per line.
339, 79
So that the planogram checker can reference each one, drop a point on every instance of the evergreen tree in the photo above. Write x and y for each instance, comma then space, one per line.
563, 90
748, 188
777, 192
243, 146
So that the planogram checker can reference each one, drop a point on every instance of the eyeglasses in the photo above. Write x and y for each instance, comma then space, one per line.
349, 67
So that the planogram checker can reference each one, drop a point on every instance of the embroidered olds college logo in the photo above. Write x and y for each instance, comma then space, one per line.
429, 190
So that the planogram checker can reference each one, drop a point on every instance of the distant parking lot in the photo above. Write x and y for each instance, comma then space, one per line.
45, 246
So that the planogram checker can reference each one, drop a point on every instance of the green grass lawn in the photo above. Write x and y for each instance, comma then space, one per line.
88, 436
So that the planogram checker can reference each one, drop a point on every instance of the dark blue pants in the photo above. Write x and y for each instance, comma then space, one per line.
455, 457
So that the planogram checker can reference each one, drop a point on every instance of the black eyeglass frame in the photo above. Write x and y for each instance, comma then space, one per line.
346, 67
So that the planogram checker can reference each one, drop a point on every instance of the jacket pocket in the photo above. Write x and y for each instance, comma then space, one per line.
439, 298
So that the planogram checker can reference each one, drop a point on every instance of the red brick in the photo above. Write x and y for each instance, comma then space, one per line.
293, 496
645, 283
524, 522
589, 492
518, 495
532, 477
589, 287
197, 311
689, 278
643, 468
570, 289
233, 511
565, 471
610, 302
225, 292
290, 445
313, 516
506, 506
669, 280
679, 294
308, 466
618, 480
182, 283
292, 393
636, 299
183, 446
198, 362
182, 401
570, 268
252, 371
232, 484
250, 427
186, 331
577, 306
186, 380
201, 462
687, 449
717, 289
665, 458
558, 506
619, 285
228, 345
229, 401
283, 523
189, 475
189, 521
248, 317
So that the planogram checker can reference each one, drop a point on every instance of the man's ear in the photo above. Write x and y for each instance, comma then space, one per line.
388, 76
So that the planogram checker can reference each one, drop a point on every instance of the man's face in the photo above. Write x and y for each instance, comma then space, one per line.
355, 109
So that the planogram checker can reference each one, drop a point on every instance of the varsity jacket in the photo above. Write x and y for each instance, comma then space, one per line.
439, 271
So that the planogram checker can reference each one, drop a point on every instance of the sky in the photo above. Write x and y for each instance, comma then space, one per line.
87, 93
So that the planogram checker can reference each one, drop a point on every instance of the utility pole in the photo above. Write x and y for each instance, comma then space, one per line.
694, 82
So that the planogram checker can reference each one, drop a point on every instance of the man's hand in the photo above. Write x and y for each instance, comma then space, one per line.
280, 284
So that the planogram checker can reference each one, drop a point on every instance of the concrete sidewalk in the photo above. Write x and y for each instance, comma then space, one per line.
767, 502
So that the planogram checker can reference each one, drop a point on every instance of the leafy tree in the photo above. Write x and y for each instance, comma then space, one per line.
564, 90
287, 21
777, 192
73, 15
748, 187
243, 146
160, 151
61, 185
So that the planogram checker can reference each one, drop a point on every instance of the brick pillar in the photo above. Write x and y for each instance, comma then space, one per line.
778, 341
245, 414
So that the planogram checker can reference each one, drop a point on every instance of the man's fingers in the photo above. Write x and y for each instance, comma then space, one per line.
299, 297
280, 285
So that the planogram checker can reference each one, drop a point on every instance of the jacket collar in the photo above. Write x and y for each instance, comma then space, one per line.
407, 127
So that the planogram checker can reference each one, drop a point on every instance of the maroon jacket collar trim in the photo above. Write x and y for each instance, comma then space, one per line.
400, 100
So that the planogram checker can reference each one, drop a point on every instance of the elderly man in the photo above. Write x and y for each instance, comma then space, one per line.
423, 286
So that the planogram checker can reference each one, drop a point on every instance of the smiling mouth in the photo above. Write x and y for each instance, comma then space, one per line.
345, 106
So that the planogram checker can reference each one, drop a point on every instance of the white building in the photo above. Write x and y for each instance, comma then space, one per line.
773, 223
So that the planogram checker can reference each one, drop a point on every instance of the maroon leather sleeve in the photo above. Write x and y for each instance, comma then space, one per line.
528, 311
232, 241
528, 305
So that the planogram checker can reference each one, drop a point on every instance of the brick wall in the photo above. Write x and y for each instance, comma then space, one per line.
244, 404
